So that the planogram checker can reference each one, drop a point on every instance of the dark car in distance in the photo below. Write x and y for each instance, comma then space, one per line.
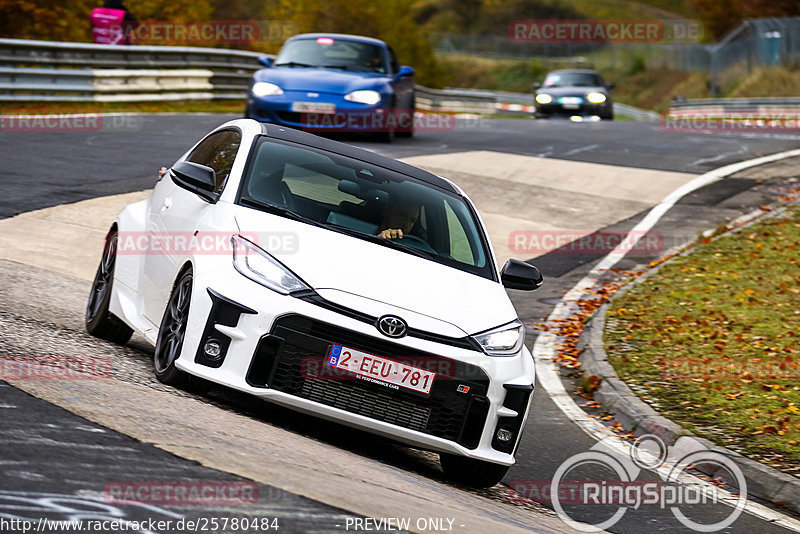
574, 92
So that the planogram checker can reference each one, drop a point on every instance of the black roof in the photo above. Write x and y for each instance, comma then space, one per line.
304, 138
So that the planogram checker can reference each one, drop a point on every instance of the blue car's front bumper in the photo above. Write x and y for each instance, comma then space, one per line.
339, 115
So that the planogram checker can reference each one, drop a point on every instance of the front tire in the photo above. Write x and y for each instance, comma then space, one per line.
470, 472
99, 321
171, 335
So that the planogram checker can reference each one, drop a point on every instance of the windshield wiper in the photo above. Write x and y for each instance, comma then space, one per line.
293, 64
277, 210
379, 240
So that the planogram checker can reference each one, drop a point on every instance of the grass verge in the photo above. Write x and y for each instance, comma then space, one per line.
712, 340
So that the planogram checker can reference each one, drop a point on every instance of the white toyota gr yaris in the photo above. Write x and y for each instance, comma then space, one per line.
331, 280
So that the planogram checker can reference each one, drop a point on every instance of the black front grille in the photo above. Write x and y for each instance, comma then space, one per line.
292, 359
291, 116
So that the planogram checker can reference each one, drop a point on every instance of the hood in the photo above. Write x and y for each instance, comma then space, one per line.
320, 80
352, 272
571, 91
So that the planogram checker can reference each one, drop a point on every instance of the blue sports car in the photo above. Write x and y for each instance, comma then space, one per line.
335, 83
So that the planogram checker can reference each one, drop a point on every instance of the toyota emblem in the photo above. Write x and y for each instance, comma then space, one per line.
392, 326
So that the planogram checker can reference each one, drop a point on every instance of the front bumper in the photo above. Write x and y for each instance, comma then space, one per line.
345, 117
275, 348
584, 108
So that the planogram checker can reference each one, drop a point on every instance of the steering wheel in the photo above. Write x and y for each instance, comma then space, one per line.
417, 242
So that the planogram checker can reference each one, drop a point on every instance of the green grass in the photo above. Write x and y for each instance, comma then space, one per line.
713, 340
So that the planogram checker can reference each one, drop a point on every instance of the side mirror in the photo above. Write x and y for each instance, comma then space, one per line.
265, 61
404, 72
520, 275
610, 86
198, 179
537, 85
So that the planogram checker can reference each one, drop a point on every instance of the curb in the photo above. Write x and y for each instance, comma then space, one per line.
763, 482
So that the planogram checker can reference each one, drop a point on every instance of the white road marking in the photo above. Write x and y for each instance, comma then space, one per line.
580, 149
544, 349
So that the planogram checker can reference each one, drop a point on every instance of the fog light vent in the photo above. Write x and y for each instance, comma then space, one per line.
505, 435
212, 349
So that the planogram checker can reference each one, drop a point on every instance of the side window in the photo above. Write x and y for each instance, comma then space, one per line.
393, 59
218, 151
460, 249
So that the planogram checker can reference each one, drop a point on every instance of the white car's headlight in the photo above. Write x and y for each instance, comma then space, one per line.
260, 267
544, 98
266, 89
364, 97
506, 340
596, 98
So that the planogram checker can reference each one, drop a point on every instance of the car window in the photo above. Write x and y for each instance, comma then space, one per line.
573, 79
218, 151
328, 52
363, 200
314, 186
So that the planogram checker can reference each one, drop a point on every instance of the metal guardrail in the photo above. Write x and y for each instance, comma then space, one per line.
478, 101
53, 71
45, 53
739, 104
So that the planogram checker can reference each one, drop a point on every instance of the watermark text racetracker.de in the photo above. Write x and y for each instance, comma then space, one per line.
202, 243
205, 32
71, 122
710, 121
615, 476
604, 31
585, 242
181, 492
380, 120
55, 367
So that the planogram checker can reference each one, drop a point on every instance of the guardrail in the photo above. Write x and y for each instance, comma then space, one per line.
738, 104
54, 71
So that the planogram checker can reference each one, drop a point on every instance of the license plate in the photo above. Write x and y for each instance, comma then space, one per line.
571, 102
381, 370
314, 107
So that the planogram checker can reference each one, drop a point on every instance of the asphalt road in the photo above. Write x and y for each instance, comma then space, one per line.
41, 170
46, 169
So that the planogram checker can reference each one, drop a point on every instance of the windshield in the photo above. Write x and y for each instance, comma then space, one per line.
367, 202
331, 53
573, 79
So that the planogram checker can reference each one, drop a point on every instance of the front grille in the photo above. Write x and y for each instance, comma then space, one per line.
291, 116
292, 359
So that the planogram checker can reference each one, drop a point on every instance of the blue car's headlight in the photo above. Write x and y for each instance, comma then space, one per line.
364, 96
260, 267
266, 89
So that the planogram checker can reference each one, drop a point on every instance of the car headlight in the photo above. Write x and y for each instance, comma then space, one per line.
596, 98
544, 98
260, 267
506, 340
266, 89
364, 97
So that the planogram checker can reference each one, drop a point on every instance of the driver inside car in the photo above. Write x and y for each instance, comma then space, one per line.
398, 219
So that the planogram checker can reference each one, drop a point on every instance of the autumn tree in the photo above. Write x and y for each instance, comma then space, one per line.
68, 20
722, 16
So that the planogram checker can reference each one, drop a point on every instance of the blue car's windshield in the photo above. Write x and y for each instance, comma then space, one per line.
328, 52
368, 202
